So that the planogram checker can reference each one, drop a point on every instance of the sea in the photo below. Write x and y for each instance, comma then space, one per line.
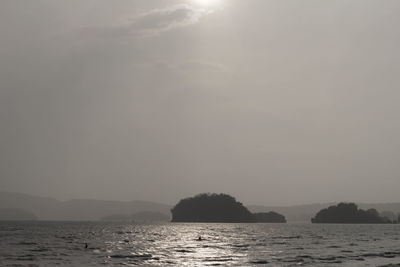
42, 243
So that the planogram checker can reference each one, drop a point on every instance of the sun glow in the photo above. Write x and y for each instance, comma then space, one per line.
207, 3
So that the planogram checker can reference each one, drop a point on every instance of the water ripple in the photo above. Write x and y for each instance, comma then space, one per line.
63, 244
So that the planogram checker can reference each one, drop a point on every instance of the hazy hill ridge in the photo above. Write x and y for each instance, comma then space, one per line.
46, 208
9, 214
77, 209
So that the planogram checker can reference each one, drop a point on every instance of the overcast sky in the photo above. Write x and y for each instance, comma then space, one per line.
275, 102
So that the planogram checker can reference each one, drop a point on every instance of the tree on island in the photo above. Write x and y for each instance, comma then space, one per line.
348, 213
218, 208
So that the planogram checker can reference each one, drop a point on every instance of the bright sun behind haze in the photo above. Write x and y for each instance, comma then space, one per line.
207, 2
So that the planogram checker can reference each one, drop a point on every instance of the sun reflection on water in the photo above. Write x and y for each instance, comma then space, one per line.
113, 244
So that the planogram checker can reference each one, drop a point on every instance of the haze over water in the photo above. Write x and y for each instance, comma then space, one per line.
274, 102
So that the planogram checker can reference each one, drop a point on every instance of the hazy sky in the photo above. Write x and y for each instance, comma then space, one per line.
276, 102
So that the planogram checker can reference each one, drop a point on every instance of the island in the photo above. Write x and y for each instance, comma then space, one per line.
348, 213
269, 217
218, 208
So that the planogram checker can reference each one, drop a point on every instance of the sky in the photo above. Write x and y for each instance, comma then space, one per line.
275, 102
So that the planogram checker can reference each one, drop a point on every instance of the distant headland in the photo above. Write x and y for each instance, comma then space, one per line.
221, 208
349, 213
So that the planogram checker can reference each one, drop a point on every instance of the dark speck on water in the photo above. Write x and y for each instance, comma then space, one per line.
173, 244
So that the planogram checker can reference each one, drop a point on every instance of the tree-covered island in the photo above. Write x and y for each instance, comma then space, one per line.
348, 213
220, 208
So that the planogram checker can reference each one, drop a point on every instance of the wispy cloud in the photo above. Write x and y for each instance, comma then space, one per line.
153, 22
196, 65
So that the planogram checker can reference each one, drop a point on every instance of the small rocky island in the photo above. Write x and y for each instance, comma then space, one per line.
348, 213
269, 217
221, 208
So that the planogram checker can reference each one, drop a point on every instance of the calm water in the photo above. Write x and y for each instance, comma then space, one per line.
110, 244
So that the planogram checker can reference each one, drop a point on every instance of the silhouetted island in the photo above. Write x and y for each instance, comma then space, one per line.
218, 208
269, 217
348, 213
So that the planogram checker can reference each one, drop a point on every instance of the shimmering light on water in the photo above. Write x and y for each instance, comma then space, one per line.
56, 243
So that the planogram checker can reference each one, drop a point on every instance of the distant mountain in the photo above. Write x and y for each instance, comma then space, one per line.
117, 218
16, 215
304, 213
143, 216
45, 208
78, 209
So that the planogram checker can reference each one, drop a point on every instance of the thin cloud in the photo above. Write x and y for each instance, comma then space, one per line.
202, 66
153, 22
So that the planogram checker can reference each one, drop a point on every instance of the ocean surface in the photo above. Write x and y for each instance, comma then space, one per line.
123, 244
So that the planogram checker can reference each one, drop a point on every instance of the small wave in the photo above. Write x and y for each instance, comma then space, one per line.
184, 251
21, 265
39, 250
241, 246
287, 237
373, 254
334, 246
304, 256
390, 254
259, 262
131, 256
327, 258
217, 259
318, 236
66, 237
27, 257
11, 229
27, 243
292, 260
279, 243
212, 246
